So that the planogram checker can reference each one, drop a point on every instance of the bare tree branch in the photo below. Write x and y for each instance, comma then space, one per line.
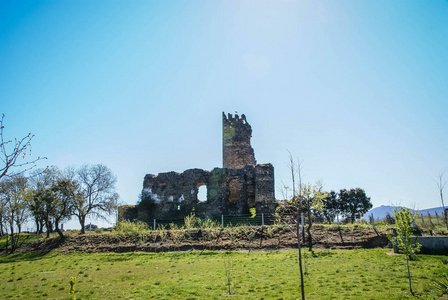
98, 189
12, 151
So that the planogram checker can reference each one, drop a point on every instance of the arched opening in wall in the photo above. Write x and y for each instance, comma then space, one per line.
202, 192
235, 189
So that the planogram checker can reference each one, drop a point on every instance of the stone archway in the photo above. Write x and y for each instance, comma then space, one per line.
202, 192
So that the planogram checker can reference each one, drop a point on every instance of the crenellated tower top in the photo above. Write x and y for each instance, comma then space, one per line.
236, 134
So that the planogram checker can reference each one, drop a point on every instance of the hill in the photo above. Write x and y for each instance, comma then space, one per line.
248, 238
379, 213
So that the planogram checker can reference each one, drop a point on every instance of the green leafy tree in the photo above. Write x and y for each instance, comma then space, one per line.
147, 206
41, 181
355, 203
312, 198
41, 207
333, 206
64, 194
57, 203
53, 198
404, 240
14, 199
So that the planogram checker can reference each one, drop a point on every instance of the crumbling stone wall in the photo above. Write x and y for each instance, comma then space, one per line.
171, 195
127, 212
232, 190
229, 192
265, 188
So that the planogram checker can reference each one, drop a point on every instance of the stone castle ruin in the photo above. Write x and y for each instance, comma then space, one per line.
233, 190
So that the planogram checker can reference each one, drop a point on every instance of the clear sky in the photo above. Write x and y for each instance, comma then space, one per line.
356, 89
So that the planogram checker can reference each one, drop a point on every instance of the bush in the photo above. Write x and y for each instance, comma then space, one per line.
191, 221
441, 285
389, 220
209, 224
136, 227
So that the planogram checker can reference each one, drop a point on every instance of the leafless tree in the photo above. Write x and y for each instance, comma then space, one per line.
283, 189
97, 185
441, 186
13, 154
228, 266
296, 169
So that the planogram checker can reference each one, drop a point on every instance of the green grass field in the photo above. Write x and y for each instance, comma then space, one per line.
336, 274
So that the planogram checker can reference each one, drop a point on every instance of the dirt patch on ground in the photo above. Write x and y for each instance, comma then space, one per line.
242, 239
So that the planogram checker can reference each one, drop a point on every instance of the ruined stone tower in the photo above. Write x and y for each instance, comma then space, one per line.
236, 149
231, 191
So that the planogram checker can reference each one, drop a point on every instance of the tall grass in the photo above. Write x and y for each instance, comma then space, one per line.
129, 227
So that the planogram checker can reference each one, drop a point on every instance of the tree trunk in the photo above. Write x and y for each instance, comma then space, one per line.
59, 231
49, 228
37, 227
82, 222
12, 240
409, 275
302, 287
41, 229
445, 217
441, 186
308, 231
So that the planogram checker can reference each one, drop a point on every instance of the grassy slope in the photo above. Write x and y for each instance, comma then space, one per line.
336, 274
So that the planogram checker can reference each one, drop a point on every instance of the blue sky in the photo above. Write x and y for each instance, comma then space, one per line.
356, 89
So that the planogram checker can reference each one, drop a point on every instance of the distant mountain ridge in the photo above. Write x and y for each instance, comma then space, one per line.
379, 213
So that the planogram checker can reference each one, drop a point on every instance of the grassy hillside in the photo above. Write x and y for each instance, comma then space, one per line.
331, 274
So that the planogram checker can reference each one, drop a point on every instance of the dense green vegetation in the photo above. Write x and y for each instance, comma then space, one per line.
336, 274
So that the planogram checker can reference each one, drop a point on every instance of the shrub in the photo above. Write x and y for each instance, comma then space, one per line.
136, 227
209, 224
389, 220
441, 285
162, 232
253, 212
72, 288
191, 221
177, 234
371, 219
